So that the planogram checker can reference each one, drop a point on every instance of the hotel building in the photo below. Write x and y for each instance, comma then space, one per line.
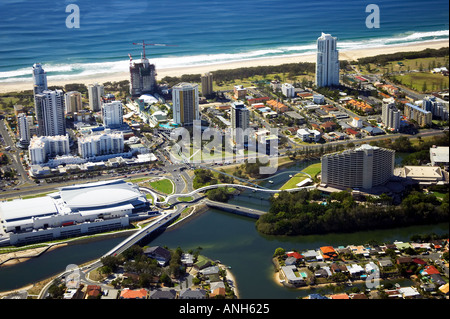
185, 104
364, 167
327, 64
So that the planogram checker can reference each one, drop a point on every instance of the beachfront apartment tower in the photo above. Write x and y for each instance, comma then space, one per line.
95, 93
50, 113
185, 104
327, 64
142, 77
112, 114
390, 115
39, 79
207, 84
73, 102
240, 121
364, 168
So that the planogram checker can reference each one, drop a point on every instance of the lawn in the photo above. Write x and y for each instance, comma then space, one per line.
312, 170
164, 186
423, 81
185, 199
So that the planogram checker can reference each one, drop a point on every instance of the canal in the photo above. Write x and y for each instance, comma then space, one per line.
232, 239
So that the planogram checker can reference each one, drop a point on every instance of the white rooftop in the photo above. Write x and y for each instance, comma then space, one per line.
27, 208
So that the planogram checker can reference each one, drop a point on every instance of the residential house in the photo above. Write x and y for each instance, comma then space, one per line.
202, 262
187, 260
373, 130
217, 292
328, 253
336, 268
358, 296
404, 260
133, 294
340, 296
188, 293
209, 270
430, 270
353, 133
437, 279
328, 126
162, 255
288, 273
296, 255
386, 262
290, 261
93, 292
409, 293
311, 255
317, 296
163, 294
371, 267
355, 270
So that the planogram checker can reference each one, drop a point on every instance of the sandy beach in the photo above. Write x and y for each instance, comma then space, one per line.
114, 77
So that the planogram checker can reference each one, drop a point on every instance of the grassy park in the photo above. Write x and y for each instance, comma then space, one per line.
163, 185
312, 170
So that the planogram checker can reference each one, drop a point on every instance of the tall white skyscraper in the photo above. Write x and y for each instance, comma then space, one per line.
327, 65
112, 114
95, 93
185, 103
50, 113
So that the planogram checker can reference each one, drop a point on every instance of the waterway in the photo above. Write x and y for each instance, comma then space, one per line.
232, 239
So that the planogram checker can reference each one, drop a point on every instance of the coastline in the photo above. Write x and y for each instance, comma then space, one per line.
18, 86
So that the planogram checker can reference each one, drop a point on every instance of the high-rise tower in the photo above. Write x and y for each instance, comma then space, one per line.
185, 103
327, 65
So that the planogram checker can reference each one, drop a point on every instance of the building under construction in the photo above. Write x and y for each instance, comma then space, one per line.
142, 77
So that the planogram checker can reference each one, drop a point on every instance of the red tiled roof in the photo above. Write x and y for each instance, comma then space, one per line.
340, 296
295, 255
431, 270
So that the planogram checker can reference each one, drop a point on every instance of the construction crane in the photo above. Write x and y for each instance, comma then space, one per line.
153, 44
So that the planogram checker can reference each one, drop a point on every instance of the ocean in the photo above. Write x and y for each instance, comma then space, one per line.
199, 32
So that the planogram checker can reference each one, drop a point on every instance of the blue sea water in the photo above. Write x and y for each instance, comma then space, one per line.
202, 31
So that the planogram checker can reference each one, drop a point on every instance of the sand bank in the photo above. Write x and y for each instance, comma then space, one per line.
343, 55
